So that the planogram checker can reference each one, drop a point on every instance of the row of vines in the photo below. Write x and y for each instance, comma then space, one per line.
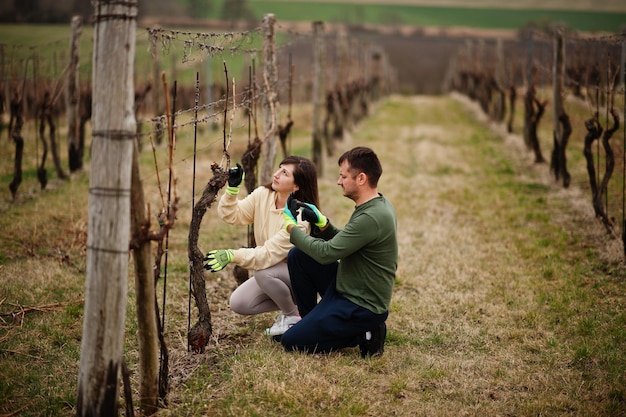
45, 89
571, 92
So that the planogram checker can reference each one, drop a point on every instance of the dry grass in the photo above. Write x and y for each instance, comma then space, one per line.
509, 297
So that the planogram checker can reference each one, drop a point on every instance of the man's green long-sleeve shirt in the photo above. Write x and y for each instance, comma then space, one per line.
367, 250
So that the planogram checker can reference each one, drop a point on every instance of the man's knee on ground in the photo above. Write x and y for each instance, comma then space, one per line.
287, 341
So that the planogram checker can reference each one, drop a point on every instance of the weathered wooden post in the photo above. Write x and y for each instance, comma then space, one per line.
344, 79
72, 99
156, 95
318, 94
557, 84
530, 71
339, 87
499, 102
622, 73
561, 123
113, 136
270, 99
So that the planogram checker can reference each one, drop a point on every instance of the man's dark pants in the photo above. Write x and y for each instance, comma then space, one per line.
333, 323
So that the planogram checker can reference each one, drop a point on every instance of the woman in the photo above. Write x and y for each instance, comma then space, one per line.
270, 287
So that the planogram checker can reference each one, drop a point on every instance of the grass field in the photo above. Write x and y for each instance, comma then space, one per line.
494, 15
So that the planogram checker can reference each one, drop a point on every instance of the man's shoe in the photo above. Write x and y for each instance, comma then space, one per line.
281, 325
373, 343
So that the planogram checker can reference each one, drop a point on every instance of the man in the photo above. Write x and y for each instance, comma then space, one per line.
353, 270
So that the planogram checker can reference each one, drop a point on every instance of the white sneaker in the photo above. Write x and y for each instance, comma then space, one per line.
282, 324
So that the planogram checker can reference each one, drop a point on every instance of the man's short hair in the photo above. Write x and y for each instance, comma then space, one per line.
363, 159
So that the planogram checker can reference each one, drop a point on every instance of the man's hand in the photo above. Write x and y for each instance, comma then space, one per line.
235, 178
216, 260
311, 214
290, 219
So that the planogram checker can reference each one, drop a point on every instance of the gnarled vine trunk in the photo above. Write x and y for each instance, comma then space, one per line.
200, 333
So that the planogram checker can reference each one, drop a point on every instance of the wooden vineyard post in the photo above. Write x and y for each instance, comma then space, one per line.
500, 98
270, 100
15, 130
156, 95
366, 76
72, 99
622, 73
318, 94
377, 74
338, 90
343, 77
108, 233
530, 70
561, 124
557, 84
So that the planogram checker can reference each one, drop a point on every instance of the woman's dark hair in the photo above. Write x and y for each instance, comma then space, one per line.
305, 177
362, 159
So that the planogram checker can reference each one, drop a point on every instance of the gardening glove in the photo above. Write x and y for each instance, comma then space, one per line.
216, 260
311, 214
235, 178
292, 204
290, 219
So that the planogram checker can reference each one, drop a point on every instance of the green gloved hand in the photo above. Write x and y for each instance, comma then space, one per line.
216, 260
290, 219
292, 204
311, 214
235, 178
